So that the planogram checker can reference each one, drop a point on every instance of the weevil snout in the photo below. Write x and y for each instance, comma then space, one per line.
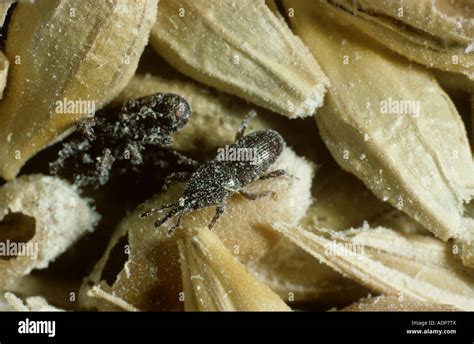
177, 111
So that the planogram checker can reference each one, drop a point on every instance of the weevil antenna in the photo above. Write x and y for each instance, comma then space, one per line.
243, 126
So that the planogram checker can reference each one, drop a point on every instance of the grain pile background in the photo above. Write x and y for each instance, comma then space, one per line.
374, 99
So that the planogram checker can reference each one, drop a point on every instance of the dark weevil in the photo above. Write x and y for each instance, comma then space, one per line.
139, 136
214, 181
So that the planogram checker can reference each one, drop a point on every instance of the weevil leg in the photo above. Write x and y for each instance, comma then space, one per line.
172, 229
219, 211
154, 210
169, 215
176, 177
274, 174
254, 196
241, 131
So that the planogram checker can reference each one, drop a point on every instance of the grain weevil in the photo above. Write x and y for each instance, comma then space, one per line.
139, 137
216, 180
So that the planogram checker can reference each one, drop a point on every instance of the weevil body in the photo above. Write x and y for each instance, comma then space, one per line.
214, 181
139, 136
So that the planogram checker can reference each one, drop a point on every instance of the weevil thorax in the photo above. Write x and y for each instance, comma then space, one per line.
154, 117
264, 147
208, 185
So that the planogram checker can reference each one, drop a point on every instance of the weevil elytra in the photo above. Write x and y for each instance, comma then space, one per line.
139, 136
214, 181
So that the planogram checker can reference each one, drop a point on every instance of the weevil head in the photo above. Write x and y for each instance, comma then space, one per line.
174, 111
156, 117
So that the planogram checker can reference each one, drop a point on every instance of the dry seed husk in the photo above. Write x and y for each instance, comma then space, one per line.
31, 304
88, 54
45, 212
150, 279
340, 202
400, 157
4, 64
4, 7
105, 301
466, 249
242, 48
407, 265
54, 289
426, 31
298, 278
451, 22
145, 281
384, 303
398, 221
214, 280
3, 60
